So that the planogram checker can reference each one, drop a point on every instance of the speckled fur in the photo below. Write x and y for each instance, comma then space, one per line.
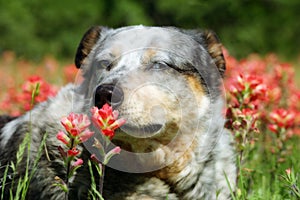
187, 89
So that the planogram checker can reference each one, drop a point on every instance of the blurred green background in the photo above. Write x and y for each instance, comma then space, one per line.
34, 28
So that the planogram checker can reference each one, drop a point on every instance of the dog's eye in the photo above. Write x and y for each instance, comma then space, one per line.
105, 64
159, 66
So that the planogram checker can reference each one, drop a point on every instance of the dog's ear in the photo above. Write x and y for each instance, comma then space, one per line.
86, 44
211, 42
214, 48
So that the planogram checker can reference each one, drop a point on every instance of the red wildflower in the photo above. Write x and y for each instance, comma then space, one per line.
76, 127
73, 152
15, 102
63, 137
45, 91
85, 135
109, 133
106, 119
288, 171
111, 153
252, 85
273, 128
75, 123
78, 162
95, 159
282, 117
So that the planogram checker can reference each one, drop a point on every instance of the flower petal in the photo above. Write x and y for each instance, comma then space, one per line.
85, 135
61, 136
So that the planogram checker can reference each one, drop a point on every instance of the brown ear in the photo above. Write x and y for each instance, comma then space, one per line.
86, 44
214, 48
210, 41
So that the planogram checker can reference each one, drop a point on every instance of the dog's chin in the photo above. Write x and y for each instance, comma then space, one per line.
141, 131
138, 139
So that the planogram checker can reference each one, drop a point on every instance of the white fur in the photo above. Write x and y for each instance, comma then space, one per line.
8, 131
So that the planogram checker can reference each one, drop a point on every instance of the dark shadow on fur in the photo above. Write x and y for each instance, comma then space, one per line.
4, 119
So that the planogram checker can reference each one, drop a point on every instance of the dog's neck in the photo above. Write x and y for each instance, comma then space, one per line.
186, 172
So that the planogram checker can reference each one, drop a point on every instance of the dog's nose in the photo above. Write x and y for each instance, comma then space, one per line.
108, 93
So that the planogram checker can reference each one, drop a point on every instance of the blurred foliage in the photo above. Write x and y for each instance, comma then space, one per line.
33, 28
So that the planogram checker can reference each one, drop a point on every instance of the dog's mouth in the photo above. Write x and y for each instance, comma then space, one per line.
144, 139
144, 131
132, 137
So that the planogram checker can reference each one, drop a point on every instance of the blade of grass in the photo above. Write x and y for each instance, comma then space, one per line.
19, 158
4, 180
94, 192
34, 168
229, 186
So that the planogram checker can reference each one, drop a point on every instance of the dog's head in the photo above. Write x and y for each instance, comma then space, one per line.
161, 80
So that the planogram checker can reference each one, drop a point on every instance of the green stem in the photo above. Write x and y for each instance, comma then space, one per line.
101, 180
68, 170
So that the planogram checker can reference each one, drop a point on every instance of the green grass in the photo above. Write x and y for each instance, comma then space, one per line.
261, 175
19, 185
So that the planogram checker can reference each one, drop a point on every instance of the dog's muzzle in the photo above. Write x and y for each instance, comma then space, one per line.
114, 96
108, 93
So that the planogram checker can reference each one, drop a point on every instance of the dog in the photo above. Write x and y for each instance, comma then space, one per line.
166, 82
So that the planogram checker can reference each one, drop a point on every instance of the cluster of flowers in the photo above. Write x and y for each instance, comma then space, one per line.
77, 131
261, 95
76, 127
15, 103
18, 76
